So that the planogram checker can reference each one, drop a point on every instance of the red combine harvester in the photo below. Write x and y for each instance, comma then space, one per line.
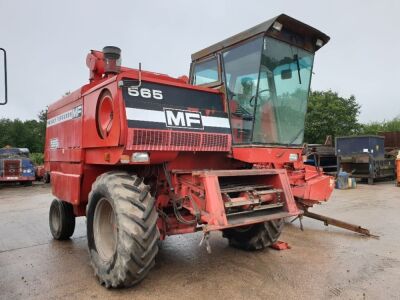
143, 155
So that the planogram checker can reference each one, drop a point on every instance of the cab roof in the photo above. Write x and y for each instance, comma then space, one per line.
289, 24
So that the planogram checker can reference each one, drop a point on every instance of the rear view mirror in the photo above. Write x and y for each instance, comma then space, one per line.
286, 74
4, 96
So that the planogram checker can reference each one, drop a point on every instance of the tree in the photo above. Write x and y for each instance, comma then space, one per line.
378, 127
24, 134
330, 114
42, 116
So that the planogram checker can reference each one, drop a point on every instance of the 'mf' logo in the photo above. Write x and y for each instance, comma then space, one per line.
183, 119
77, 112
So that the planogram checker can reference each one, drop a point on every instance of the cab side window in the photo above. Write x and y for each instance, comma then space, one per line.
206, 72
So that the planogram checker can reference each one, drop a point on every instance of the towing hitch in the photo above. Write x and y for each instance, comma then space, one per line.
334, 222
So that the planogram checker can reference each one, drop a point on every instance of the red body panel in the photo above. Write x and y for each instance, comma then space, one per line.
263, 155
66, 186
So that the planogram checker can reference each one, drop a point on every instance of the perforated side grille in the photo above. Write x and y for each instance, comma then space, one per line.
211, 140
181, 139
151, 138
145, 139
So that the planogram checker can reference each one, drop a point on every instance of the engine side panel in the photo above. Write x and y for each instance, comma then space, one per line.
92, 139
64, 133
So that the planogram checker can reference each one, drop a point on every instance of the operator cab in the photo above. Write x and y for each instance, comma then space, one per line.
265, 74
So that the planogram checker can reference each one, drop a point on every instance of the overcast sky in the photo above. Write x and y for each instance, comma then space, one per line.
47, 43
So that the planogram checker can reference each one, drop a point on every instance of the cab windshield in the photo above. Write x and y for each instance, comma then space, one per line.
267, 85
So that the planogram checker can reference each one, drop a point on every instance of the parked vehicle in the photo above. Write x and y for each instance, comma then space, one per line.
15, 166
364, 157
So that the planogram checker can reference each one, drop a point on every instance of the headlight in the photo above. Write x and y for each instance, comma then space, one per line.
140, 157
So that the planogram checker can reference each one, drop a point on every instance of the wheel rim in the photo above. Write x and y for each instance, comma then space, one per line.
105, 229
55, 219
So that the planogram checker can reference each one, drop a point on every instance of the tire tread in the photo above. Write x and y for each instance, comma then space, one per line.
259, 236
138, 232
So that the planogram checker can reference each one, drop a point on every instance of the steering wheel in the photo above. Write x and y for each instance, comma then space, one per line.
254, 97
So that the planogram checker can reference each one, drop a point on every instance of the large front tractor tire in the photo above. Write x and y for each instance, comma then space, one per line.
254, 237
121, 229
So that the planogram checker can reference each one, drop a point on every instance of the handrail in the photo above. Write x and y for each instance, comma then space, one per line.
5, 77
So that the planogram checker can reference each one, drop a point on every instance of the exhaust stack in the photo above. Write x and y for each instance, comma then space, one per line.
112, 60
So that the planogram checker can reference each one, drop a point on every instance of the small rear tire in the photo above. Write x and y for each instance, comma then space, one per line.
61, 220
254, 237
46, 177
121, 229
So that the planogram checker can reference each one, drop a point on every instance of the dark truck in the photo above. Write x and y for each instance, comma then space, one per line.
15, 166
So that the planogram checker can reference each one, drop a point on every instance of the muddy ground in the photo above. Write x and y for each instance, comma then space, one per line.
324, 262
